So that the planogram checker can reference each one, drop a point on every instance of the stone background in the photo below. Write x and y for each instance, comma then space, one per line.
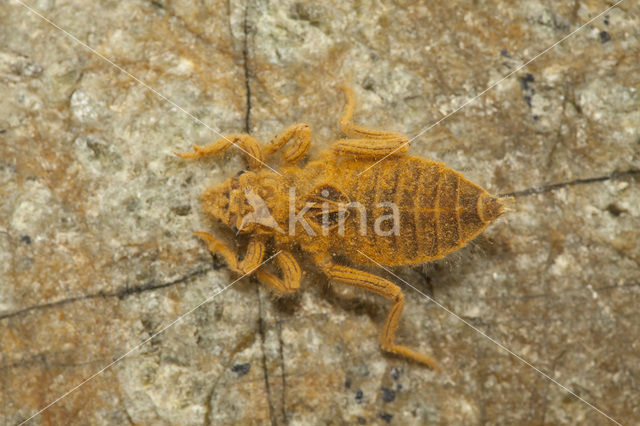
96, 214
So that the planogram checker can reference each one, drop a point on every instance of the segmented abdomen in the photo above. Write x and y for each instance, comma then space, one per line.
437, 210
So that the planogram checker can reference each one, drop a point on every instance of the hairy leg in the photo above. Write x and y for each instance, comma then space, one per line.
388, 290
291, 274
369, 142
300, 137
252, 258
246, 143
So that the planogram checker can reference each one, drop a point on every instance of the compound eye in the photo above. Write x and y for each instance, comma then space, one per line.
240, 173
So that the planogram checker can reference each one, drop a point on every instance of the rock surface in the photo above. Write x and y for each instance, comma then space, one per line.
96, 214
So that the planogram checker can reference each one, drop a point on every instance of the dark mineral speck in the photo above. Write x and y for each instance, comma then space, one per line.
241, 369
386, 417
526, 80
395, 373
388, 395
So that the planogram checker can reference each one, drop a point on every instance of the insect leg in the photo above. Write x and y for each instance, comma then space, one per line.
291, 274
301, 136
253, 256
249, 146
387, 289
347, 126
371, 148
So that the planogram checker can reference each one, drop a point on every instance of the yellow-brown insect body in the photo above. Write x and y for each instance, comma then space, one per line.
439, 211
362, 201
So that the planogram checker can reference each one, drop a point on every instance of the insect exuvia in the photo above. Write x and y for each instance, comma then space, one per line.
330, 209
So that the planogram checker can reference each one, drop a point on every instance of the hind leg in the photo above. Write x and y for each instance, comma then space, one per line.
371, 148
388, 290
351, 129
369, 142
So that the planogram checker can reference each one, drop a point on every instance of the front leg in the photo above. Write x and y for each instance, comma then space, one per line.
252, 258
300, 137
291, 274
245, 143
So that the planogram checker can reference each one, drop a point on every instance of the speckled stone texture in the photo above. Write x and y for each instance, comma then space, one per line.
96, 214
